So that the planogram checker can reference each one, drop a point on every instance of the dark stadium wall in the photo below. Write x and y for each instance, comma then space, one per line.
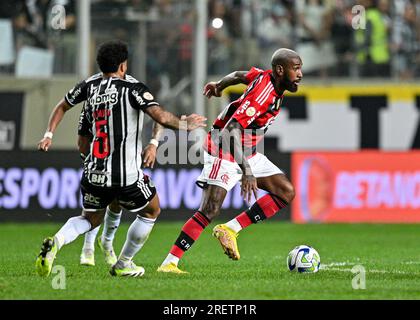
416, 140
37, 186
11, 108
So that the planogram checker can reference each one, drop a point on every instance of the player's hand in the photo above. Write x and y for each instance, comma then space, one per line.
194, 121
149, 156
249, 187
44, 144
210, 89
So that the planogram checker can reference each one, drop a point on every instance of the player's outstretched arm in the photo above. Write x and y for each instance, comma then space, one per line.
232, 142
149, 153
55, 117
169, 120
216, 88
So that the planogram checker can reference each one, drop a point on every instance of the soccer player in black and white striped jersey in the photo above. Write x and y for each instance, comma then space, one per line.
115, 104
113, 211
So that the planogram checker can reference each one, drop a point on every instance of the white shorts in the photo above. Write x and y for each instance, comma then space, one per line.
227, 174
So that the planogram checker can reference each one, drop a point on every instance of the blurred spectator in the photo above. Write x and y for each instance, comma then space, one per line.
15, 10
342, 37
24, 26
63, 41
404, 42
314, 30
185, 42
275, 31
13, 17
219, 40
235, 18
372, 44
40, 16
240, 33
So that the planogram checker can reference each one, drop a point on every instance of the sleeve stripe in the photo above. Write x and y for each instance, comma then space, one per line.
68, 101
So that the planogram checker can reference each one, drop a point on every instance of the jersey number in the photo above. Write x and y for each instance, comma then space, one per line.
101, 144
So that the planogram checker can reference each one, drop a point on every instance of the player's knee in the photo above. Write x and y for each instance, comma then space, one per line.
211, 210
94, 220
151, 213
156, 212
289, 192
286, 192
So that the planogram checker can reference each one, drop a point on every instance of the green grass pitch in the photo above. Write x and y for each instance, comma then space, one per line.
390, 255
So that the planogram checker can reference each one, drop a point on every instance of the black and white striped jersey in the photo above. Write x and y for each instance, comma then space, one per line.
114, 110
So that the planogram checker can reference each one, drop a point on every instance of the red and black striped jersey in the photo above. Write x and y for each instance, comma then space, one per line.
255, 110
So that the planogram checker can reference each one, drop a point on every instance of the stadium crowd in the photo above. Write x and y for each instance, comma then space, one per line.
240, 33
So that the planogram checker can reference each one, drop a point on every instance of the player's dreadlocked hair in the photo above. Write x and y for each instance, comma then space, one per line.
111, 54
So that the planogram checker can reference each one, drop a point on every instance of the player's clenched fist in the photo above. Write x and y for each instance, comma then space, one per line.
211, 89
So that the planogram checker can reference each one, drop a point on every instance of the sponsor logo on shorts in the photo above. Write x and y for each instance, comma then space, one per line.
91, 199
97, 179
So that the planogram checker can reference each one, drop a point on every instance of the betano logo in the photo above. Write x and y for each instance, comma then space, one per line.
367, 189
357, 187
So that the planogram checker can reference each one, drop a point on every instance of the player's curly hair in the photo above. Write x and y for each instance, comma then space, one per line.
111, 54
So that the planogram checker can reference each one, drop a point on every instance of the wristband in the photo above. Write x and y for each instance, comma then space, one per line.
48, 135
154, 142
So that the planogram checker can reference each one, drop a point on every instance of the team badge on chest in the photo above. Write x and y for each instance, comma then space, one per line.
250, 111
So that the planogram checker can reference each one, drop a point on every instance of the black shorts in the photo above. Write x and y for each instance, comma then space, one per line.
133, 198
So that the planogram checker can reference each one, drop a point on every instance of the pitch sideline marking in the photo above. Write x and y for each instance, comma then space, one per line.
333, 266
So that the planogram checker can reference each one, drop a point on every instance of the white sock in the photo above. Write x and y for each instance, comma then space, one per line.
170, 259
90, 237
136, 237
74, 227
234, 225
111, 223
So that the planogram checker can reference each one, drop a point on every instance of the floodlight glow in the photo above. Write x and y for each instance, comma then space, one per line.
217, 23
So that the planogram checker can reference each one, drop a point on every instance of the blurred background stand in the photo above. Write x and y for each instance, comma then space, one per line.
34, 63
7, 51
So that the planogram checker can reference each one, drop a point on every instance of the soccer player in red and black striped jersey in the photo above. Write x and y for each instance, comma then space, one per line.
230, 156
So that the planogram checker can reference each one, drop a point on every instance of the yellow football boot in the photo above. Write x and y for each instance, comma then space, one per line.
227, 238
170, 268
46, 257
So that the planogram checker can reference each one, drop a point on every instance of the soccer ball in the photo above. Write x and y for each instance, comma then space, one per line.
303, 259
